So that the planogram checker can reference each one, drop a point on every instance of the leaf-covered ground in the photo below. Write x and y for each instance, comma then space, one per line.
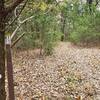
71, 72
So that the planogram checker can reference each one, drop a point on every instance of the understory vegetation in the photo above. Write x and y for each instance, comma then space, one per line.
86, 29
44, 23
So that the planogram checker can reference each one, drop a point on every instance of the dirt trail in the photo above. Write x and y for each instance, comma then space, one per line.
70, 72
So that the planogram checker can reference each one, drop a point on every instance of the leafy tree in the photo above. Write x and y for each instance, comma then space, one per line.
86, 26
43, 29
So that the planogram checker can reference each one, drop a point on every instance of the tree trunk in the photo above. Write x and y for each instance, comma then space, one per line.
10, 73
2, 51
3, 13
63, 22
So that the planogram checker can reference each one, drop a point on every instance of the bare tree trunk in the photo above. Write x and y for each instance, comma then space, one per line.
2, 51
3, 13
10, 72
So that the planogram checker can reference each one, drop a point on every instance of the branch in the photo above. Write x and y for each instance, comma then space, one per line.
13, 5
97, 2
16, 16
58, 3
22, 22
13, 34
17, 39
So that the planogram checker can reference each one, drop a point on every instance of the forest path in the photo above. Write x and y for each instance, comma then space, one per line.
70, 72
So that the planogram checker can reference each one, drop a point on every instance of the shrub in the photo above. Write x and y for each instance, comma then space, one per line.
87, 29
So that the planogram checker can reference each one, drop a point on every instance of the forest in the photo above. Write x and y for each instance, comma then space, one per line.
49, 49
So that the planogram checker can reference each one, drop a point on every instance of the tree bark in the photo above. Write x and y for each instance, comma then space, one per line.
10, 73
3, 13
2, 51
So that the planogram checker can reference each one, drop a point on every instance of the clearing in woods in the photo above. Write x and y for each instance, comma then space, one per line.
70, 72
